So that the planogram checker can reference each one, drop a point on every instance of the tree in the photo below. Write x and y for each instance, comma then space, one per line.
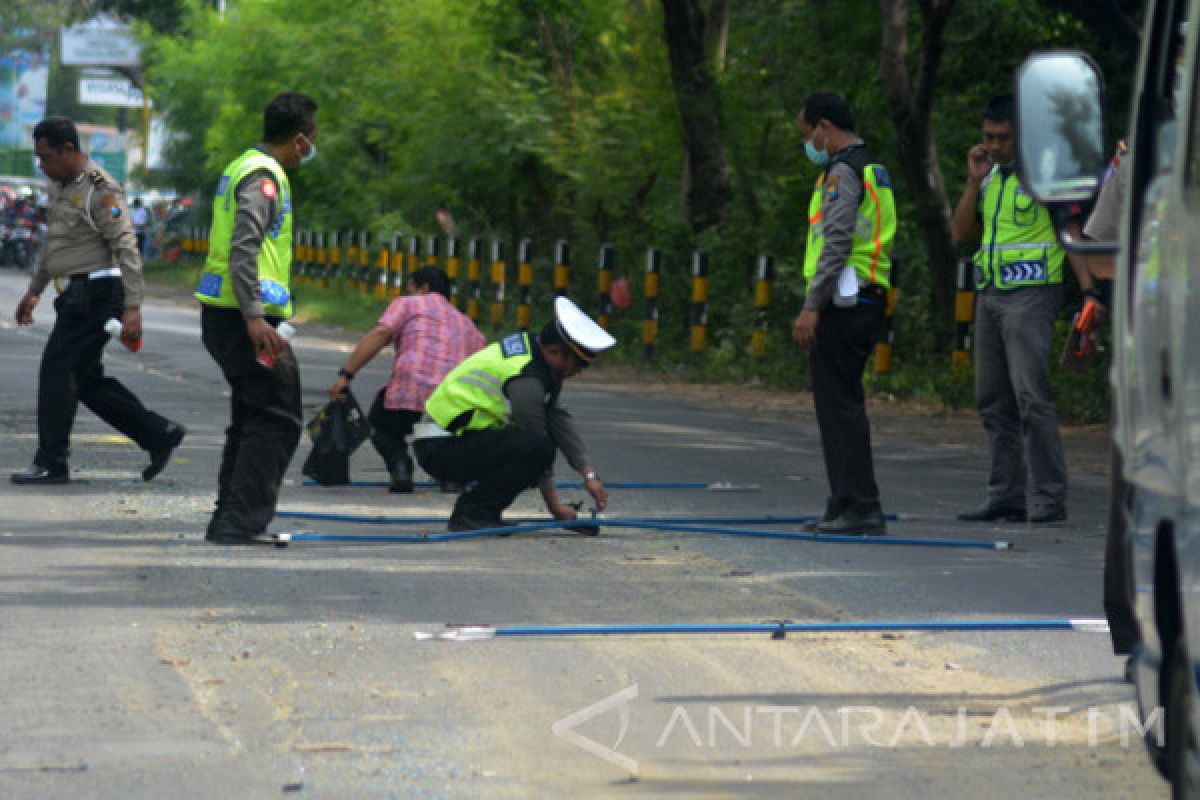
910, 104
708, 191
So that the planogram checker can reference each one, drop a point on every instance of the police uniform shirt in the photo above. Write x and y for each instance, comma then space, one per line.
1104, 223
257, 204
90, 229
842, 194
528, 394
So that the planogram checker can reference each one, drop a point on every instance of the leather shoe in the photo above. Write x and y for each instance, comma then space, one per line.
1045, 516
222, 531
161, 455
991, 513
473, 522
832, 510
40, 476
401, 486
855, 523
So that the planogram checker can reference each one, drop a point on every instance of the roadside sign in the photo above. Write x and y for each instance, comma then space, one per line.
100, 42
96, 91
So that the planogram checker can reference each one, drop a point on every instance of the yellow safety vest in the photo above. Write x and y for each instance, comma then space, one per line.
275, 256
1019, 246
477, 386
874, 229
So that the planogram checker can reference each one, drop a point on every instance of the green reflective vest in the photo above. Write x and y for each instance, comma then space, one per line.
477, 385
275, 257
874, 229
1019, 246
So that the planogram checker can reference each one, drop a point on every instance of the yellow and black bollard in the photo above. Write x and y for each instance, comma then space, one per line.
763, 283
396, 262
364, 264
699, 301
474, 278
350, 270
604, 281
185, 241
433, 247
525, 284
499, 276
884, 347
322, 261
414, 253
381, 272
452, 269
562, 267
335, 259
204, 239
650, 324
964, 313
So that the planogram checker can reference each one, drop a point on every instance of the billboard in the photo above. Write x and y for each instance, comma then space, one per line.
23, 76
100, 42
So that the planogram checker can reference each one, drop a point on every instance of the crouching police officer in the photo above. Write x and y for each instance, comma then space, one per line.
91, 244
496, 420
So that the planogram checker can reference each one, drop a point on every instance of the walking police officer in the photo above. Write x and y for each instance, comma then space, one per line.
245, 290
1018, 275
847, 264
91, 244
495, 420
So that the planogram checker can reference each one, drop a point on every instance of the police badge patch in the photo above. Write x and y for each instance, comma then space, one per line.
513, 345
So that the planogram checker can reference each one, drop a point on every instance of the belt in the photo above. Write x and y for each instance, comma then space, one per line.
97, 274
429, 430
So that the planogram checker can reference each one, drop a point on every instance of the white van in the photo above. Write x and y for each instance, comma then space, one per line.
1155, 515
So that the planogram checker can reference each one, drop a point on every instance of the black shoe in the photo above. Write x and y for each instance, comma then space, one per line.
832, 510
401, 486
992, 513
855, 523
473, 522
40, 476
161, 455
222, 531
1048, 515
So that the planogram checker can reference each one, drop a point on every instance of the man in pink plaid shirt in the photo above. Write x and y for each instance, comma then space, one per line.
431, 337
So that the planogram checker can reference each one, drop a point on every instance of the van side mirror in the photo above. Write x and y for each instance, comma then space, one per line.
1060, 127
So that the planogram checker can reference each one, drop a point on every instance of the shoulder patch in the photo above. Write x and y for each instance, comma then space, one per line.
882, 179
96, 177
831, 188
110, 205
268, 189
513, 345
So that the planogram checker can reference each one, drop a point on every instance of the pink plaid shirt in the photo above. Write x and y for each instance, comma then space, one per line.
431, 337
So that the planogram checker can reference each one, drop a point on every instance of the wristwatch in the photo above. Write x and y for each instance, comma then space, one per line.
345, 373
590, 475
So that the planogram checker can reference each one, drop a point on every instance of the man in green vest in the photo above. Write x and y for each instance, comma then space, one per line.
245, 292
1018, 279
847, 266
495, 420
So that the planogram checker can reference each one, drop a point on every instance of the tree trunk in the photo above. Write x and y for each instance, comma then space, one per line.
696, 95
911, 107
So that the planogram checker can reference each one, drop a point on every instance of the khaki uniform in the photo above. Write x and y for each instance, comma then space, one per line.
90, 229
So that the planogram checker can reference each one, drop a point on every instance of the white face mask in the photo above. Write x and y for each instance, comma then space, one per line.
311, 154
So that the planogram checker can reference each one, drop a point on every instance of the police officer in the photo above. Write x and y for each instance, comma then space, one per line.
496, 420
91, 246
245, 292
1018, 276
847, 264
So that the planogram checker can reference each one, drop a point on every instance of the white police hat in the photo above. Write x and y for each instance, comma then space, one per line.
581, 333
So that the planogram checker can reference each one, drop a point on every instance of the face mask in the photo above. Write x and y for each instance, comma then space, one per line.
311, 154
818, 157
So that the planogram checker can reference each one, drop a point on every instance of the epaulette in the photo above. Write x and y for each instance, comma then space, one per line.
96, 177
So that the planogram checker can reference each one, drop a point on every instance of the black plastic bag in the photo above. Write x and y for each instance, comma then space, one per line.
336, 431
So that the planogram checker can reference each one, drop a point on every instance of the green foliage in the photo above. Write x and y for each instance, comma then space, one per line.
556, 119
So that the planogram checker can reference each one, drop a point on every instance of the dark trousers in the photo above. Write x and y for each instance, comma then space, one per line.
72, 373
389, 429
266, 417
845, 338
504, 461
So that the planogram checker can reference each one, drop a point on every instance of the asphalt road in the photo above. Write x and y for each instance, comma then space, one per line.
141, 662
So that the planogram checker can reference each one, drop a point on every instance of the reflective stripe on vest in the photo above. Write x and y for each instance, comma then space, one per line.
477, 385
1019, 245
874, 229
275, 256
